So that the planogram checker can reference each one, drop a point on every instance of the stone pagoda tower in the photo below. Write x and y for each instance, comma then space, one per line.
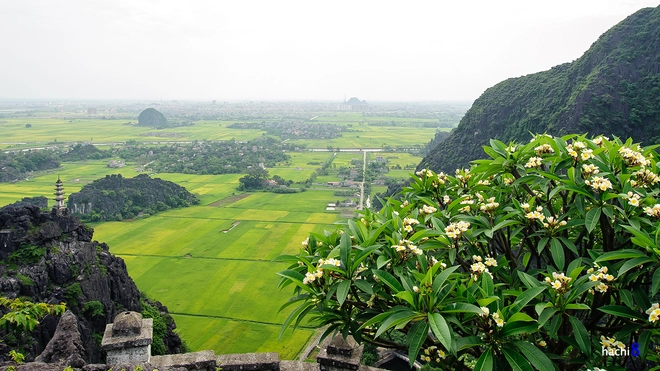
59, 196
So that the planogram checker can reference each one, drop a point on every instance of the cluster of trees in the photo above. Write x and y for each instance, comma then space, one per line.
14, 166
82, 152
227, 157
257, 179
295, 130
40, 201
115, 198
541, 257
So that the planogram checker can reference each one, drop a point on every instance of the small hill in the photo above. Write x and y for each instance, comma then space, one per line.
613, 89
152, 118
81, 152
115, 197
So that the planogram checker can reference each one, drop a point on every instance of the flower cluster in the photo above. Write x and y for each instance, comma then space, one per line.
579, 150
454, 230
433, 353
423, 172
654, 312
446, 200
488, 205
609, 344
551, 223
599, 141
534, 162
495, 316
426, 209
408, 223
467, 202
632, 198
484, 182
512, 149
406, 246
543, 149
589, 170
632, 157
644, 178
463, 176
559, 281
599, 183
533, 215
312, 276
599, 274
478, 268
653, 212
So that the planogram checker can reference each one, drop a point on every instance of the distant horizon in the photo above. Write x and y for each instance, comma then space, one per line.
42, 100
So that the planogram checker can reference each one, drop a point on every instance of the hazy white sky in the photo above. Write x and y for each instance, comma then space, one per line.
289, 50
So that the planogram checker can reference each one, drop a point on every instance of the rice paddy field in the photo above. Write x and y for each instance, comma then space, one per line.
211, 264
50, 130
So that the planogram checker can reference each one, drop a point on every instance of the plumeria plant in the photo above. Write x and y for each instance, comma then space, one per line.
544, 256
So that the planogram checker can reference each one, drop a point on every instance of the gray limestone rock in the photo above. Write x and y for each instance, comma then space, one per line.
65, 347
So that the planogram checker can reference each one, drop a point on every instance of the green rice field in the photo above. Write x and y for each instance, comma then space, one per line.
45, 130
211, 264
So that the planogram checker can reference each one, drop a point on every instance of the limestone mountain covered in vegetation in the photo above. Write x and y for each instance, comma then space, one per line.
613, 89
49, 257
115, 197
152, 117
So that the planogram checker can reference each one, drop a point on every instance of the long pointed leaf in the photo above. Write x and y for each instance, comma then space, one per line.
440, 329
416, 337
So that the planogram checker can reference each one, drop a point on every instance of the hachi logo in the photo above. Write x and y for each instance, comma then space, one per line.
614, 348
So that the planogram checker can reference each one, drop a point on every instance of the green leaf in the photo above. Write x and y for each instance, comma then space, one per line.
296, 278
400, 317
442, 277
389, 280
632, 263
468, 342
656, 282
342, 291
518, 327
440, 329
621, 311
591, 219
557, 251
534, 356
516, 360
581, 335
364, 286
407, 296
345, 249
546, 315
485, 362
525, 298
528, 280
644, 340
620, 254
416, 336
461, 308
293, 315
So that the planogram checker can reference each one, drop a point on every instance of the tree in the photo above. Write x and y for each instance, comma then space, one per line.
539, 257
254, 179
23, 315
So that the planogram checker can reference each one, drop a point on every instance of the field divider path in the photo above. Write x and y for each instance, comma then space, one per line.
237, 320
197, 257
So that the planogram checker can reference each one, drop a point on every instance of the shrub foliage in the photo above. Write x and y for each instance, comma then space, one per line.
537, 258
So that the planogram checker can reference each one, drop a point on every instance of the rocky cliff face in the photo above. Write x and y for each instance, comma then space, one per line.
51, 258
613, 89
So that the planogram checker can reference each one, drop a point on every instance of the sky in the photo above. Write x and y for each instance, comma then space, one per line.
307, 50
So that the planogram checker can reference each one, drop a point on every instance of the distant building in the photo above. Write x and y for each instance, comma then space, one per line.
353, 104
92, 111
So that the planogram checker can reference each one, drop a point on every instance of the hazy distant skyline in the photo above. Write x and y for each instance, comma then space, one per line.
289, 50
